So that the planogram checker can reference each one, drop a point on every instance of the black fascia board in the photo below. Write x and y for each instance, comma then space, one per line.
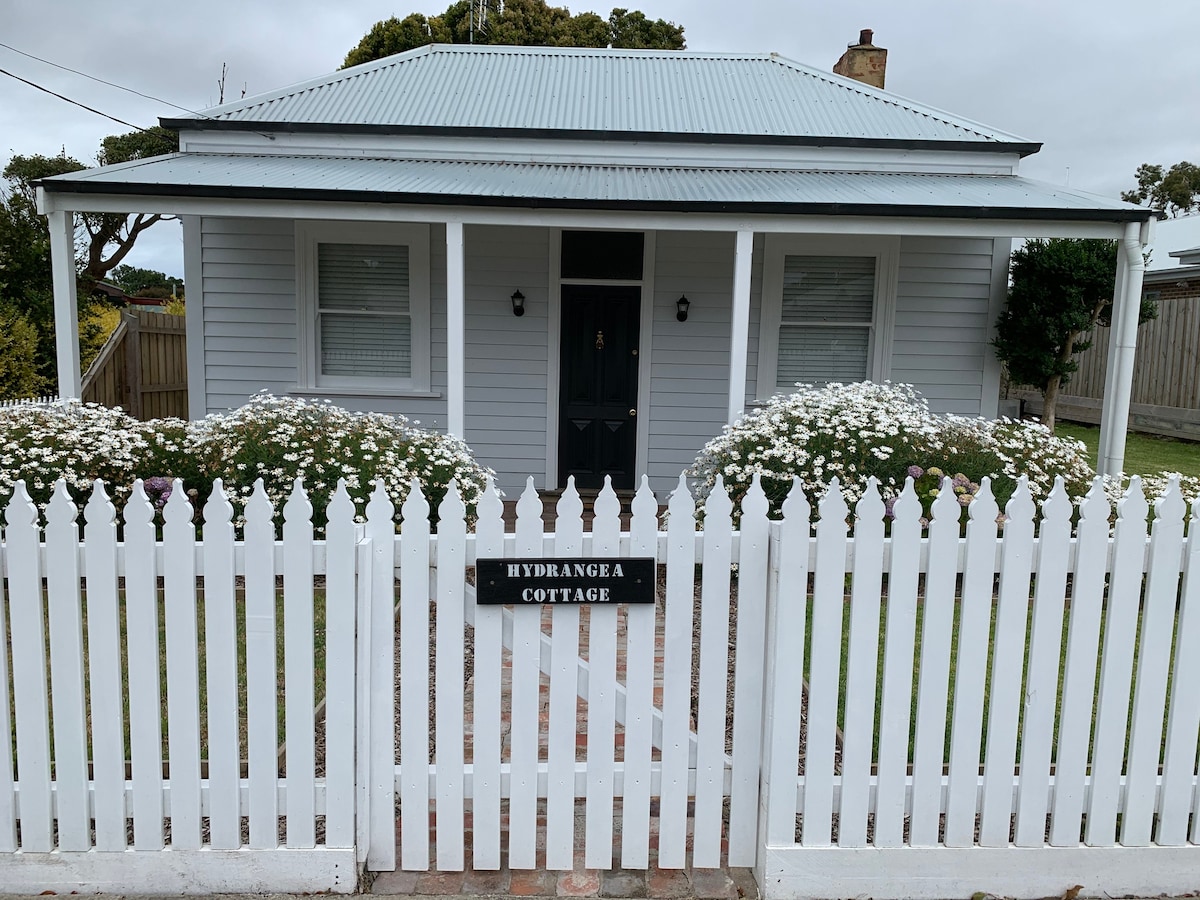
252, 192
1024, 148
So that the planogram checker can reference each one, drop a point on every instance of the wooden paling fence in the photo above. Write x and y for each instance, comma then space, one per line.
142, 368
939, 754
1165, 397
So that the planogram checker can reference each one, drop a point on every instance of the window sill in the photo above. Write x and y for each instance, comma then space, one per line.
364, 392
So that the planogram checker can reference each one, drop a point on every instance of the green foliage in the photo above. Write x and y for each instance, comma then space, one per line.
1174, 191
18, 356
138, 282
1060, 290
520, 22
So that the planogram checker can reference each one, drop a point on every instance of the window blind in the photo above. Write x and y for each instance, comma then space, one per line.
364, 327
825, 321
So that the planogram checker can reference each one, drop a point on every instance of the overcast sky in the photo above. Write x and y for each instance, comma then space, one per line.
1104, 85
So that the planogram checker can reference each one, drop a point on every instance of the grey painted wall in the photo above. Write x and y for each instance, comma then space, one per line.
250, 334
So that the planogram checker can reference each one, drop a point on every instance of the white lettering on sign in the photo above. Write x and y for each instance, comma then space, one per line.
565, 595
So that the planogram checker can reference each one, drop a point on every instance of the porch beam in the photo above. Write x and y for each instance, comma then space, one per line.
66, 317
455, 331
739, 331
1118, 382
600, 218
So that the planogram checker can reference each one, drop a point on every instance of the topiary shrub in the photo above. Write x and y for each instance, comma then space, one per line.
855, 431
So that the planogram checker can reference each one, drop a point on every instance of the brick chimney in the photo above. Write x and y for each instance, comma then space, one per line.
864, 61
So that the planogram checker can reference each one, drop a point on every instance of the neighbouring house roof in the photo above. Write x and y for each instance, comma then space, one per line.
603, 94
589, 186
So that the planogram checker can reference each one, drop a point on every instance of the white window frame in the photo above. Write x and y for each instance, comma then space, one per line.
886, 251
416, 237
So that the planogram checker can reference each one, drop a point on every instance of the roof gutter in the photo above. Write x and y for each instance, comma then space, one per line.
1023, 148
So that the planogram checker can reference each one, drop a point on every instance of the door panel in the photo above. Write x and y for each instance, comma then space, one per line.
598, 392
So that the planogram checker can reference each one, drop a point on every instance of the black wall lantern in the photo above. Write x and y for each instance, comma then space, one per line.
518, 302
681, 308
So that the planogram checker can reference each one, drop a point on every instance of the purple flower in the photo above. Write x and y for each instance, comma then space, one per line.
157, 484
888, 506
915, 471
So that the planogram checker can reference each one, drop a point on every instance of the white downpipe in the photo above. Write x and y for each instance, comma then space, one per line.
455, 332
739, 332
66, 317
1119, 384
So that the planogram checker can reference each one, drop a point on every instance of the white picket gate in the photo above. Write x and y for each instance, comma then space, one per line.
1011, 791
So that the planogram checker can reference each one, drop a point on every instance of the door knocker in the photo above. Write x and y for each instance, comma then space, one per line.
599, 340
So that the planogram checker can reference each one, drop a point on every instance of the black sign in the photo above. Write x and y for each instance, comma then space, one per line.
596, 580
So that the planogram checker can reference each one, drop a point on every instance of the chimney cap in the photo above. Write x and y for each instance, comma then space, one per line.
864, 37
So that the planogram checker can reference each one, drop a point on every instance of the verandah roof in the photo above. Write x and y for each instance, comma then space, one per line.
593, 186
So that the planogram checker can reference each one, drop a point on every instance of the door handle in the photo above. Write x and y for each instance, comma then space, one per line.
633, 412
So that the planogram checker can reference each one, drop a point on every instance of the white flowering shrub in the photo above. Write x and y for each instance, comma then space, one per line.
276, 439
855, 431
279, 439
76, 441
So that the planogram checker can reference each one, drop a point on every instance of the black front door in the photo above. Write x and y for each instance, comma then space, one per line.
598, 391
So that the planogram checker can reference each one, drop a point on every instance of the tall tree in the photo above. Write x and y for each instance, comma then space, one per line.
1061, 289
522, 22
102, 240
1174, 191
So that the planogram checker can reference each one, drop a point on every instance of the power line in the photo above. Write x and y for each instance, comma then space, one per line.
73, 102
119, 87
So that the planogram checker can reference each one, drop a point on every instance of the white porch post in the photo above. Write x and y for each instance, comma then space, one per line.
455, 331
739, 332
66, 317
1118, 382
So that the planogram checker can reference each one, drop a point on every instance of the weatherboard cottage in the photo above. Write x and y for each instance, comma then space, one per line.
587, 261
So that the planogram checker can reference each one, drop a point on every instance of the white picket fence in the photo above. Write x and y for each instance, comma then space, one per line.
29, 401
864, 799
897, 815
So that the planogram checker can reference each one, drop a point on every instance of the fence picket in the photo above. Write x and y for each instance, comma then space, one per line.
825, 660
1012, 613
937, 623
1150, 690
1116, 665
31, 706
183, 672
862, 668
104, 670
525, 729
971, 666
677, 671
65, 618
1045, 652
602, 692
381, 530
220, 667
748, 676
489, 644
785, 668
896, 701
1079, 670
714, 662
8, 797
261, 729
564, 661
298, 667
340, 604
1183, 718
415, 653
450, 658
145, 697
639, 692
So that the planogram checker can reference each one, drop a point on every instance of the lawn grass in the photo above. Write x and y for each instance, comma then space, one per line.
1145, 454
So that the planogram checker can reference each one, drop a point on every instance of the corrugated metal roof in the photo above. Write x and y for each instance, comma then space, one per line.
593, 186
551, 89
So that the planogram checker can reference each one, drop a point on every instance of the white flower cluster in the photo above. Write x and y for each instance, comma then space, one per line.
76, 441
855, 431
